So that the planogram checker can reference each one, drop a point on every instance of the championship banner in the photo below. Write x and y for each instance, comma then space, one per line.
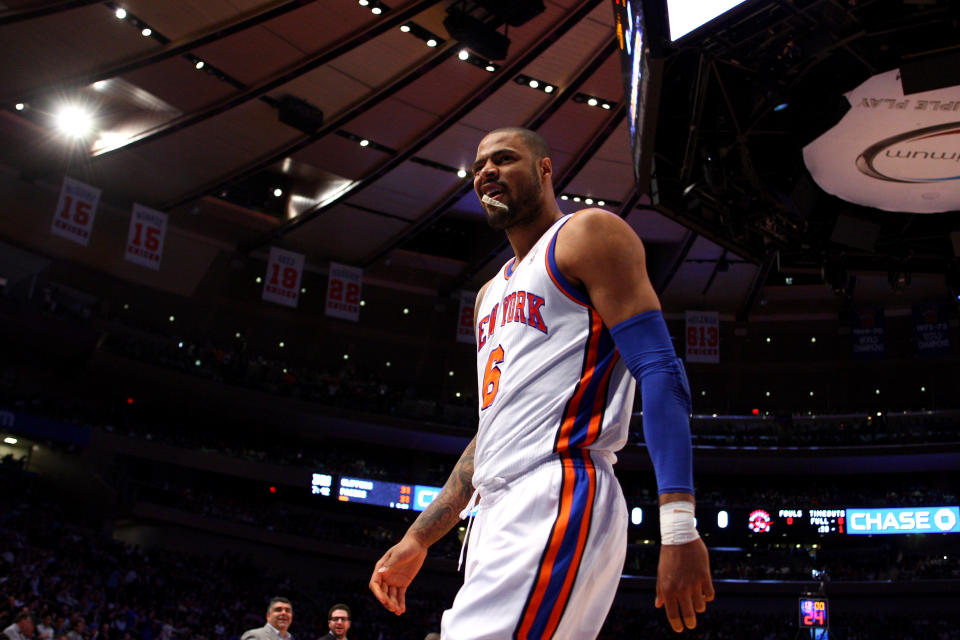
76, 207
868, 333
282, 282
343, 292
465, 330
703, 336
891, 151
148, 228
931, 329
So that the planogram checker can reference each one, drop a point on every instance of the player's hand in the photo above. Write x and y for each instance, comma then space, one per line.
684, 586
394, 573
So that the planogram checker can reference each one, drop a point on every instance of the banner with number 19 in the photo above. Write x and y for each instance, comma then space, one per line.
284, 272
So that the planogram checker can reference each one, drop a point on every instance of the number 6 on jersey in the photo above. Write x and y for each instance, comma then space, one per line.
491, 377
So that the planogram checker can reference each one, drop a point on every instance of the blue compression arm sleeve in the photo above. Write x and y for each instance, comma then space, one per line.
644, 344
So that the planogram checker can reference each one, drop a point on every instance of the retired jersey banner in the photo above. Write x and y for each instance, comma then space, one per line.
148, 228
465, 329
703, 336
284, 272
76, 207
932, 330
891, 151
343, 292
868, 333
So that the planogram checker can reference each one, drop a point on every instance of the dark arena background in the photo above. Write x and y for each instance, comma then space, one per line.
239, 250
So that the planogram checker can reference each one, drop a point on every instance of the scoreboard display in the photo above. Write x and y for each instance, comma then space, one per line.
394, 495
736, 524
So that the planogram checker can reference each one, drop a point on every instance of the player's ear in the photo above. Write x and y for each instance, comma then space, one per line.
545, 165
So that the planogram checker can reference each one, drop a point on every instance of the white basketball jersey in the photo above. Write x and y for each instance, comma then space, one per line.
550, 377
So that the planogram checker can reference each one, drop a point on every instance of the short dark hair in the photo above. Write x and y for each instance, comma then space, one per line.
339, 606
533, 140
277, 599
23, 615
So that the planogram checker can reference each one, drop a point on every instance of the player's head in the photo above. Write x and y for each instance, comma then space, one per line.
513, 169
280, 614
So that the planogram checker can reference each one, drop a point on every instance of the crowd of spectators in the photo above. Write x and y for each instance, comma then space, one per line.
79, 584
354, 387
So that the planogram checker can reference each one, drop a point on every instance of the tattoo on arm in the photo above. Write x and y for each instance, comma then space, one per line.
444, 512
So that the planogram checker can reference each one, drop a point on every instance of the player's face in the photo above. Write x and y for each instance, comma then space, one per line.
280, 616
506, 171
339, 623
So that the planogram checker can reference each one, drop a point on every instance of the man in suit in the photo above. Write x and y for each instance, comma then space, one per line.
338, 620
279, 617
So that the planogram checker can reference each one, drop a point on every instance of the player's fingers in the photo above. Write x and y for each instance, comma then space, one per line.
658, 601
377, 587
673, 615
394, 600
402, 597
708, 593
699, 604
687, 612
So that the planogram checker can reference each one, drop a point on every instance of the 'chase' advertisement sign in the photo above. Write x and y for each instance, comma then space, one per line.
891, 151
908, 520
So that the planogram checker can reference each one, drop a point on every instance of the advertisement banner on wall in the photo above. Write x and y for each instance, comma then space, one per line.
891, 151
703, 336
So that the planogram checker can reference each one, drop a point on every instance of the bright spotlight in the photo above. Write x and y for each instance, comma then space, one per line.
20, 106
534, 84
376, 11
121, 13
548, 88
405, 28
464, 54
277, 192
200, 64
462, 173
147, 32
74, 121
431, 42
592, 102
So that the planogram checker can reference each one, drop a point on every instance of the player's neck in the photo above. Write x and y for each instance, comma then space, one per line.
523, 236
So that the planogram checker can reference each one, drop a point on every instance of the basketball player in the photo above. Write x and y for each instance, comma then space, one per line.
562, 332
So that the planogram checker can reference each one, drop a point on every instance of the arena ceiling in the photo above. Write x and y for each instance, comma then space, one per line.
188, 120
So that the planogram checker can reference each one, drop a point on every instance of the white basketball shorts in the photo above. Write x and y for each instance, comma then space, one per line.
545, 554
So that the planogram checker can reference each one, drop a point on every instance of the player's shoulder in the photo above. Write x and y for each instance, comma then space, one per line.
591, 229
594, 219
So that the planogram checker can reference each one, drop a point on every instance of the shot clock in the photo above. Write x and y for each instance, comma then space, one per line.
814, 612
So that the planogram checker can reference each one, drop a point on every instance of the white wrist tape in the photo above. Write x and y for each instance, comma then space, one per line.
677, 525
